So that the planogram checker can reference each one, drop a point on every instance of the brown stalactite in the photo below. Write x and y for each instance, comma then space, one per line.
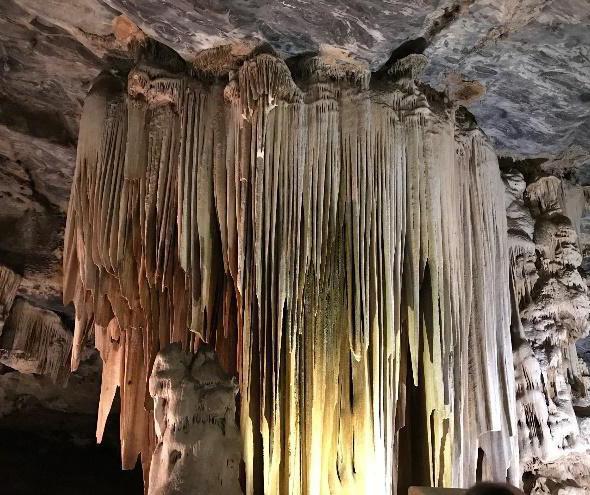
35, 340
9, 282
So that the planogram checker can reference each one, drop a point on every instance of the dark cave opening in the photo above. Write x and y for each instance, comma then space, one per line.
55, 453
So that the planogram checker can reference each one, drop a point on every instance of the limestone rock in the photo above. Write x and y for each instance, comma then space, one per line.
35, 340
50, 52
9, 282
193, 213
551, 313
198, 447
512, 47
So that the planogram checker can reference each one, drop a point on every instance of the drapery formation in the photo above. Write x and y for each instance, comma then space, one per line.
32, 339
35, 340
340, 242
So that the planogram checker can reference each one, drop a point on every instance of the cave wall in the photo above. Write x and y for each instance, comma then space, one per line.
32, 339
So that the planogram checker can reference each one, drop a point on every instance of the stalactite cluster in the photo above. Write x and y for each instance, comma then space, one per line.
32, 339
339, 241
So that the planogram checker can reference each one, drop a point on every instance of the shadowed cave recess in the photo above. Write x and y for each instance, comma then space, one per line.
275, 260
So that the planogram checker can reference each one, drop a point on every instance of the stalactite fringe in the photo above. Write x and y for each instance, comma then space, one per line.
341, 246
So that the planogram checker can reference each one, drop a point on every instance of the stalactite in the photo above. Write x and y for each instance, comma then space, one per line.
9, 283
341, 243
35, 340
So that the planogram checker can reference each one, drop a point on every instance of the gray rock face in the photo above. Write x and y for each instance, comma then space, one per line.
533, 58
532, 55
43, 77
34, 182
366, 30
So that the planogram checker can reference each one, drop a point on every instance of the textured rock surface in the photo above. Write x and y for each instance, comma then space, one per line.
553, 386
532, 56
366, 30
35, 340
49, 52
9, 283
35, 177
32, 339
199, 448
21, 393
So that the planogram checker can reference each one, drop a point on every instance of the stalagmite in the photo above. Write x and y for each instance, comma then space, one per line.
198, 446
340, 242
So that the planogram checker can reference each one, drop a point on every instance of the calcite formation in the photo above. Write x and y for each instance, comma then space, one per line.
551, 312
338, 239
9, 282
198, 446
32, 339
35, 340
253, 243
